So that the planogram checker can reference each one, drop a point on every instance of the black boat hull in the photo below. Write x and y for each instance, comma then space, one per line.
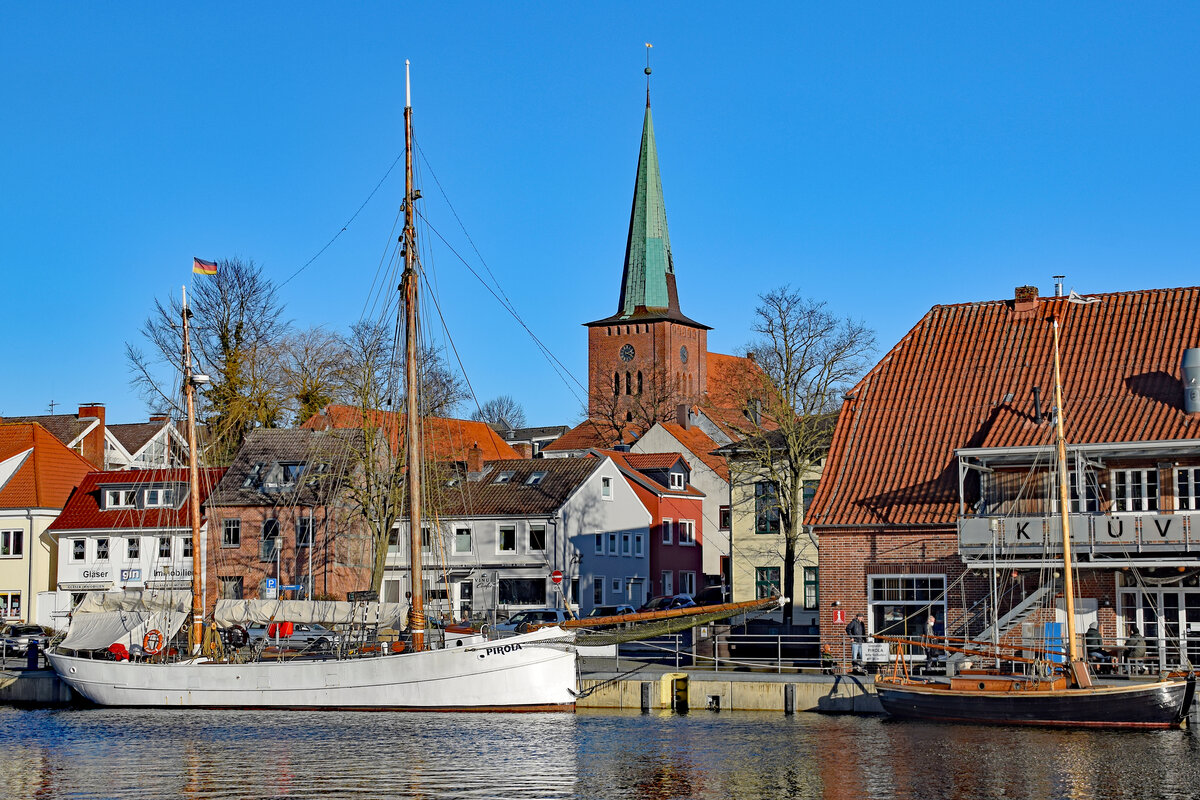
1163, 704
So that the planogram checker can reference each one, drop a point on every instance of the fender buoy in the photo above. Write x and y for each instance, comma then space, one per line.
152, 642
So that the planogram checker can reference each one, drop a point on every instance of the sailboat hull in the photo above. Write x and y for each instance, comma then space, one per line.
532, 672
1162, 704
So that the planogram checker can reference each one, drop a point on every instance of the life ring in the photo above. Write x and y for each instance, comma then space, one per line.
152, 642
237, 636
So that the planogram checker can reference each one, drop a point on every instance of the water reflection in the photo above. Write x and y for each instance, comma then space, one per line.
101, 753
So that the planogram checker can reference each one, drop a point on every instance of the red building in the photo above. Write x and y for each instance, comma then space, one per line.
662, 481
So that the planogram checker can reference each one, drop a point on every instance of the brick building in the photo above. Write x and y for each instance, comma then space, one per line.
940, 478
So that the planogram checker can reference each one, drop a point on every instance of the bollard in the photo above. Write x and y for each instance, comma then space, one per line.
647, 693
789, 698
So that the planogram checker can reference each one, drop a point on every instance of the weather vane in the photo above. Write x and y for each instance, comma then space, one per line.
648, 46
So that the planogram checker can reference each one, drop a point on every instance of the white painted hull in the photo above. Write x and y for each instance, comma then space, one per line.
522, 673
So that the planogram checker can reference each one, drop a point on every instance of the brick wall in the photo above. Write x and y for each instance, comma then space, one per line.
655, 344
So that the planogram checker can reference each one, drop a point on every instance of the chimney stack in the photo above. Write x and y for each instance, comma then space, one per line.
92, 446
159, 417
475, 458
1026, 298
524, 449
682, 417
1191, 380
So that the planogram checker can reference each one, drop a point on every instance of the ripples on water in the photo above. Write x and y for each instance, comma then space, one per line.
123, 753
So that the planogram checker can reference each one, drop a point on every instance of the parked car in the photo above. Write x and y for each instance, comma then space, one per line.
668, 601
519, 622
611, 611
18, 637
304, 636
712, 596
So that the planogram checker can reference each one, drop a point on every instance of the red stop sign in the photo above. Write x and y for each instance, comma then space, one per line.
556, 576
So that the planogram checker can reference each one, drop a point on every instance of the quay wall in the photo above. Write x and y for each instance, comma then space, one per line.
699, 690
40, 687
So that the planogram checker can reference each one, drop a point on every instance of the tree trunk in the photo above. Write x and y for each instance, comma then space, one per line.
789, 575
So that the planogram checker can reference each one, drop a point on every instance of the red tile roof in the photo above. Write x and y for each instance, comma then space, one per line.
47, 476
83, 511
588, 435
639, 463
445, 439
964, 376
700, 445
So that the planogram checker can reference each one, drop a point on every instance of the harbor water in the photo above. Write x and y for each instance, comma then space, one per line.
126, 753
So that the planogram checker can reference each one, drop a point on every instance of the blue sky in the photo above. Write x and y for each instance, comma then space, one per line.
884, 158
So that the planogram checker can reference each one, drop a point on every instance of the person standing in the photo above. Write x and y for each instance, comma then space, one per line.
930, 625
857, 632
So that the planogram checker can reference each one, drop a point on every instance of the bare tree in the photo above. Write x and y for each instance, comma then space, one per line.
236, 330
635, 406
502, 410
311, 364
791, 385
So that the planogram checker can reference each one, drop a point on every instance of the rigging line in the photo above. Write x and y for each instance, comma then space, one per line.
453, 348
348, 222
482, 260
380, 279
550, 357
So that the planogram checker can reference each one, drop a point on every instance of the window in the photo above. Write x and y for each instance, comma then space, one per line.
426, 538
668, 582
292, 472
10, 605
626, 542
811, 594
724, 518
612, 544
606, 487
535, 479
599, 544
687, 582
766, 582
616, 586
187, 547
628, 383
304, 532
164, 547
1135, 490
133, 548
522, 591
766, 508
667, 536
537, 538
808, 490
639, 385
508, 539
462, 540
102, 549
156, 498
230, 588
466, 591
598, 590
231, 533
268, 545
78, 549
687, 532
120, 498
504, 477
676, 479
12, 544
899, 604
639, 545
1188, 488
1090, 505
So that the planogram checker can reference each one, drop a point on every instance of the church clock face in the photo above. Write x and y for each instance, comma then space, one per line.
627, 352
683, 354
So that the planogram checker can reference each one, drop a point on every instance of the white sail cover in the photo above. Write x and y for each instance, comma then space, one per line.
321, 612
106, 618
135, 600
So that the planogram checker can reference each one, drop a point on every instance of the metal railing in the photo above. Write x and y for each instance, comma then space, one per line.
779, 653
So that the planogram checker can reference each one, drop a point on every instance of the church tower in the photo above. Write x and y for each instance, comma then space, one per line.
648, 353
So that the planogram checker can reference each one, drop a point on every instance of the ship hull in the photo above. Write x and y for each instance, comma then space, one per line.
1162, 704
532, 672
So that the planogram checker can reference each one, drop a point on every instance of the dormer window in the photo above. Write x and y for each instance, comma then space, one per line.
535, 479
677, 481
120, 498
291, 473
504, 477
156, 498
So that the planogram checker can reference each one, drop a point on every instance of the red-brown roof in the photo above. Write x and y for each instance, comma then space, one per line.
641, 462
964, 377
589, 435
83, 511
700, 445
49, 473
445, 439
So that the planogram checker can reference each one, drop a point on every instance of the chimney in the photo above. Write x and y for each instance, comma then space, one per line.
524, 449
475, 458
1191, 380
1026, 298
92, 446
1058, 285
159, 417
682, 418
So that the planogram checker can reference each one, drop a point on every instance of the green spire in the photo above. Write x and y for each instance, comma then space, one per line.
648, 248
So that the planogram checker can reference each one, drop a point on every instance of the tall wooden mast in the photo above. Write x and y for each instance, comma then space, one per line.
1078, 667
412, 456
189, 390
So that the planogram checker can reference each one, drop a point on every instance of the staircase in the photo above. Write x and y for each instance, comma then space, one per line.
1018, 614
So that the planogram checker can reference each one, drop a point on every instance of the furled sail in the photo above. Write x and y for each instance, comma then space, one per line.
319, 612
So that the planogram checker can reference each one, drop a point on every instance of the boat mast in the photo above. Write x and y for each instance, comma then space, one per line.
1078, 668
412, 456
189, 390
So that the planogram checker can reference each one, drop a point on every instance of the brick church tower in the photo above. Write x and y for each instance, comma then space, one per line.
648, 353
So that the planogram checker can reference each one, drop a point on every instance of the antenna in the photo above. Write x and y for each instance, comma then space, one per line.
648, 46
407, 87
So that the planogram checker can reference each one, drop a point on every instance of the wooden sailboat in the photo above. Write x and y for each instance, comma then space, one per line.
530, 672
1063, 696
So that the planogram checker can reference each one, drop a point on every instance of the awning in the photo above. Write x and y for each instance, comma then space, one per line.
98, 630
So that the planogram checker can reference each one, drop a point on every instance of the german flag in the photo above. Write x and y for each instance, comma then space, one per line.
202, 267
